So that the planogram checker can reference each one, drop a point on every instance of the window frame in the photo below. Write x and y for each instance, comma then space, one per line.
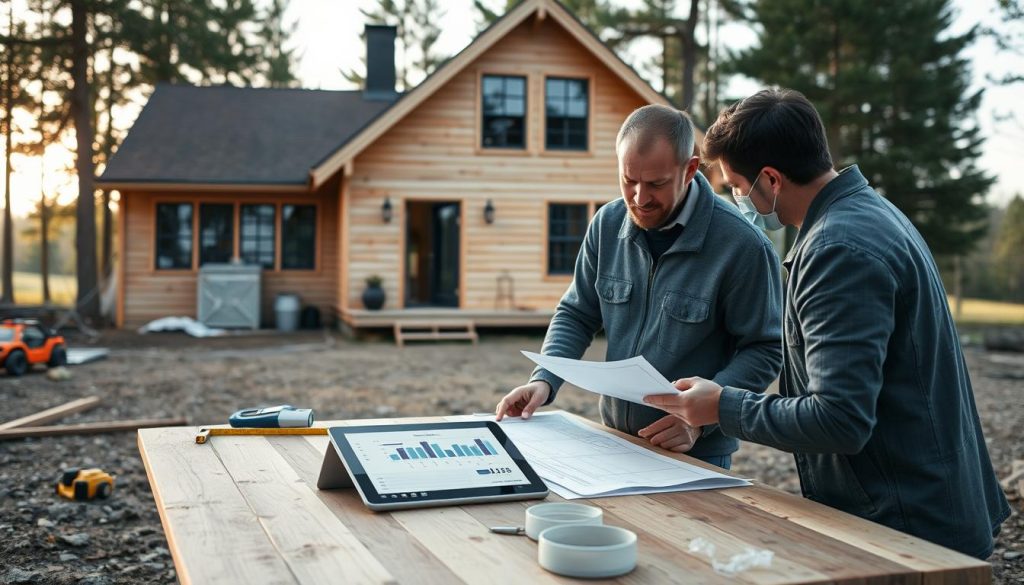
193, 249
315, 260
274, 261
588, 216
277, 202
233, 223
591, 91
592, 206
481, 126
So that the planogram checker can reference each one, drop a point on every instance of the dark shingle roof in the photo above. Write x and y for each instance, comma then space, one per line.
226, 134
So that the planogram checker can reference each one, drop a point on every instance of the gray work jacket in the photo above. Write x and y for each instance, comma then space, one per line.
710, 307
875, 398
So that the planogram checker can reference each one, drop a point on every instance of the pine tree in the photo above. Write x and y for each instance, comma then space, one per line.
893, 87
166, 41
1009, 249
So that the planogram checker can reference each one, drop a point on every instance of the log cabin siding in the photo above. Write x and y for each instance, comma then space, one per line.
150, 294
434, 153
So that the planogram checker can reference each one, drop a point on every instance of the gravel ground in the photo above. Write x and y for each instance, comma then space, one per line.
44, 539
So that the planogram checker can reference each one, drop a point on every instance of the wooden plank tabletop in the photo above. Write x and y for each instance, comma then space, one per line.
246, 509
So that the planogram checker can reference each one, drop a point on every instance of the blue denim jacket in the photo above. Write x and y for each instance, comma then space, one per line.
875, 401
710, 307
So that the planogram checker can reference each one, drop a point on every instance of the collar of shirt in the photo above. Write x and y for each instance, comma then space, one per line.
686, 212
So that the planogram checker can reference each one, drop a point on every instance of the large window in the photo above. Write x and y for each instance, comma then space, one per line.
298, 236
567, 225
216, 232
173, 236
567, 106
257, 235
504, 111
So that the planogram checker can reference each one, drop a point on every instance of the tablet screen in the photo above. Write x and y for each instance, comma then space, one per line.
429, 460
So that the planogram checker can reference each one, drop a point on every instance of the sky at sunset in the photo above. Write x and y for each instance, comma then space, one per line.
328, 41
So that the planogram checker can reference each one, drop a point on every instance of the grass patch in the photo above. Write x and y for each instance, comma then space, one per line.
982, 312
28, 288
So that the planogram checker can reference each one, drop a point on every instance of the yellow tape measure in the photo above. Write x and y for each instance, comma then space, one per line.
205, 434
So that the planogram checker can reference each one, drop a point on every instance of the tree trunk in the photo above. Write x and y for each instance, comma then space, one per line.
88, 302
7, 294
689, 46
44, 252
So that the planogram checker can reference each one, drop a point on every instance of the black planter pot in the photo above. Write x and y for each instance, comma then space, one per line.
373, 298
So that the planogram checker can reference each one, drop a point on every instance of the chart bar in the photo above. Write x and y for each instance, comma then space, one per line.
458, 450
426, 447
421, 453
491, 448
437, 450
402, 453
476, 451
449, 453
482, 447
394, 457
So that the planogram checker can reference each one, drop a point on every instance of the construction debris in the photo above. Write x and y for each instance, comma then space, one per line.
58, 374
90, 428
1013, 484
84, 355
52, 414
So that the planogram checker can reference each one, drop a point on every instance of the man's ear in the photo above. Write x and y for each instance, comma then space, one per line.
775, 179
692, 166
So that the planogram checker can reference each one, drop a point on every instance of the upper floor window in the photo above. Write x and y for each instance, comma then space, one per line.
504, 111
173, 236
567, 107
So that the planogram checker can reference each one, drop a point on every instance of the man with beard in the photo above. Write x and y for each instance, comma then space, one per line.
675, 274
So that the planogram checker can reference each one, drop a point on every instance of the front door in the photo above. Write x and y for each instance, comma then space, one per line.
432, 253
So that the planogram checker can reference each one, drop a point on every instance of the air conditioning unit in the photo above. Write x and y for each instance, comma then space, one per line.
229, 295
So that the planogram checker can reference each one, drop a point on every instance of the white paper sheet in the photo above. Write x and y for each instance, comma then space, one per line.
578, 461
630, 379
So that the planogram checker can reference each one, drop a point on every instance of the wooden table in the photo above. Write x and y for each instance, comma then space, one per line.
246, 510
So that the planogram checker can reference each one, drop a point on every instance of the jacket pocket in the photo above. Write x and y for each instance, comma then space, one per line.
613, 290
835, 484
682, 322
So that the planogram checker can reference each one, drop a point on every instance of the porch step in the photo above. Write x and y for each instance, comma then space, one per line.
436, 330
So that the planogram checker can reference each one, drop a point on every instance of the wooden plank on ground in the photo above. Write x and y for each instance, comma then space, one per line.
52, 414
315, 544
92, 428
204, 514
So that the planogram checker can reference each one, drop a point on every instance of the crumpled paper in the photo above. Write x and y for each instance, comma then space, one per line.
750, 558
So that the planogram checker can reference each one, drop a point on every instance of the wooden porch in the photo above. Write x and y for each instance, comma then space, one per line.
386, 318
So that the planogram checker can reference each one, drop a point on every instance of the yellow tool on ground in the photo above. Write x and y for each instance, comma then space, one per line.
205, 434
85, 484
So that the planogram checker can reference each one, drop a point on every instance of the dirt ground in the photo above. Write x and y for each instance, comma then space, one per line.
44, 539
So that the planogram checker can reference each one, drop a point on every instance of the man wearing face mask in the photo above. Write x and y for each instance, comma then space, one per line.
673, 273
875, 401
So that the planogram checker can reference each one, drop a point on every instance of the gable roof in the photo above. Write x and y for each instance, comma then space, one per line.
235, 136
352, 146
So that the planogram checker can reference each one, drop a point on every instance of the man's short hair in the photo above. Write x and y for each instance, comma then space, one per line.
648, 123
773, 128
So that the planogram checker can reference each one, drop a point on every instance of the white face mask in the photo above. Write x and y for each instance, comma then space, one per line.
766, 221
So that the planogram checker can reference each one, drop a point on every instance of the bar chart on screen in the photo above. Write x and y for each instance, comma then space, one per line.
424, 450
408, 461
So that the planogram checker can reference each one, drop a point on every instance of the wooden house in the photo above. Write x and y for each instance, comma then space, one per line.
468, 195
